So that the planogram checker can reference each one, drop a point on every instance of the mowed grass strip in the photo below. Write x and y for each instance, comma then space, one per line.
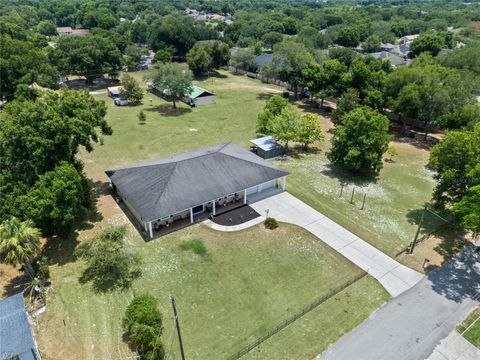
472, 323
250, 281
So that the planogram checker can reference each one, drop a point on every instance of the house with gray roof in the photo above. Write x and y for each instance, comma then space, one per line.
395, 60
16, 340
184, 186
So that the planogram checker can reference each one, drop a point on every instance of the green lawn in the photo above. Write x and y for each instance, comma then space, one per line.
246, 283
473, 333
392, 201
233, 118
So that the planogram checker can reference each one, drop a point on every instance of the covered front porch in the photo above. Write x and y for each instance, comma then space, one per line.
212, 208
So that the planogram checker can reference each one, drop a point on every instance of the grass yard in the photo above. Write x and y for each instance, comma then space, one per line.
245, 284
392, 201
168, 131
472, 322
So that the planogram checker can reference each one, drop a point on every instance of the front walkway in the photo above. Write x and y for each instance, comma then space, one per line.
395, 277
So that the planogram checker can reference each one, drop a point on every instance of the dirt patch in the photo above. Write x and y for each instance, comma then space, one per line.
475, 25
433, 252
11, 279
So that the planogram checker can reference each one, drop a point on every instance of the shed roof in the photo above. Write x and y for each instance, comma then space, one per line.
266, 143
163, 187
115, 90
197, 91
15, 334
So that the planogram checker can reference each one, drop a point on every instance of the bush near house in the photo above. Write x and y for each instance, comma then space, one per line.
271, 223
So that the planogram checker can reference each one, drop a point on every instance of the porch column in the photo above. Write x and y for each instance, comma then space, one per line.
213, 207
191, 215
145, 225
284, 184
245, 196
150, 229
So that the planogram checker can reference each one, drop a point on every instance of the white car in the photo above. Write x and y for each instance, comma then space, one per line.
120, 102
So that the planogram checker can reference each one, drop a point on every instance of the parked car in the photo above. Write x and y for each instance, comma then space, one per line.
120, 102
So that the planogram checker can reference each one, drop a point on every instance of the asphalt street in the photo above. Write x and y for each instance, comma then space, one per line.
411, 325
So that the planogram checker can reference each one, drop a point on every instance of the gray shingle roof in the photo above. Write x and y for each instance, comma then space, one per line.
166, 186
15, 334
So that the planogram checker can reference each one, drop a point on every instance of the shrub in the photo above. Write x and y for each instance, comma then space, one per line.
143, 310
271, 223
41, 269
195, 245
142, 337
109, 264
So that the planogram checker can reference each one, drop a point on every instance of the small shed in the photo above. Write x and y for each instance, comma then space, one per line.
267, 147
114, 92
199, 96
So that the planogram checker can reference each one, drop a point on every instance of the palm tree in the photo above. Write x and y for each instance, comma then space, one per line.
19, 243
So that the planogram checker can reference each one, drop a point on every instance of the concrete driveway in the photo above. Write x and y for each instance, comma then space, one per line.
412, 325
395, 277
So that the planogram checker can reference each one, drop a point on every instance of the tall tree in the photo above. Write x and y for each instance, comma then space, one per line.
291, 58
37, 135
57, 199
456, 160
244, 59
91, 56
430, 42
349, 100
199, 60
309, 130
467, 210
285, 126
131, 90
19, 243
173, 81
273, 107
360, 141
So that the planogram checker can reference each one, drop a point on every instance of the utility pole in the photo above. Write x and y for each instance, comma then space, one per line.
414, 242
178, 326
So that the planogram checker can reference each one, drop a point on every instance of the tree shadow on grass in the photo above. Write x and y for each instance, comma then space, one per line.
451, 238
15, 284
346, 177
61, 249
114, 281
264, 96
311, 108
168, 110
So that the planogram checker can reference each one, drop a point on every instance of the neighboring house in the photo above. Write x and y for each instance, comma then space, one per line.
263, 59
408, 39
68, 31
395, 60
199, 96
16, 340
267, 147
183, 186
114, 92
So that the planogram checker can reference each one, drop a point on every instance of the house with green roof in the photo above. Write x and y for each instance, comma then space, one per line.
199, 96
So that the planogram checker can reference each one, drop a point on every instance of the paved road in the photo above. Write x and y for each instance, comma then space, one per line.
395, 277
411, 325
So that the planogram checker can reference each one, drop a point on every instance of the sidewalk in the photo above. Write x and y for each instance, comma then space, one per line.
455, 347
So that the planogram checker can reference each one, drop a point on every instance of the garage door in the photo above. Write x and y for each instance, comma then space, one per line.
265, 186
